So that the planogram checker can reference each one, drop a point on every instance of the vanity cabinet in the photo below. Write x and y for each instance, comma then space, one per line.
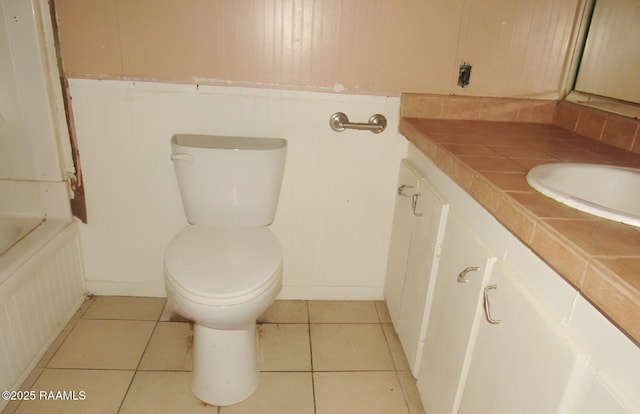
420, 218
503, 332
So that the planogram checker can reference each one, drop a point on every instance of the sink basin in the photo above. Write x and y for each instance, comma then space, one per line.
603, 190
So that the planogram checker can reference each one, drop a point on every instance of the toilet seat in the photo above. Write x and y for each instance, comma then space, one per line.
219, 265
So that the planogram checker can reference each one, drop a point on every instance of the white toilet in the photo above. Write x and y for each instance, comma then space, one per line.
225, 268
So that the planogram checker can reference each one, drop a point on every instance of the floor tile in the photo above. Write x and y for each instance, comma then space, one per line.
395, 347
161, 392
358, 392
169, 315
104, 344
125, 307
12, 406
170, 348
133, 355
278, 393
410, 391
103, 390
383, 312
349, 347
53, 348
285, 347
286, 311
330, 311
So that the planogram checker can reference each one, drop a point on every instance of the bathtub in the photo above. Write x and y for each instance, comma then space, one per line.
41, 286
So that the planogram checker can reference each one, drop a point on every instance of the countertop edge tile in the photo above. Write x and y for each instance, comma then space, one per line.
616, 299
562, 255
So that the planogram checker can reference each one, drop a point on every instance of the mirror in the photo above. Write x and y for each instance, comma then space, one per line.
610, 63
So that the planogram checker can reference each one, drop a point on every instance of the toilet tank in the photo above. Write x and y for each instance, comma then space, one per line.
231, 181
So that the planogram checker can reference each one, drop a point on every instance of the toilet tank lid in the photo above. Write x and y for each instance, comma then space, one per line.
227, 142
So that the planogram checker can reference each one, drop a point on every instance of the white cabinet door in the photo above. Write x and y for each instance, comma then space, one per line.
601, 398
521, 364
464, 266
400, 240
422, 264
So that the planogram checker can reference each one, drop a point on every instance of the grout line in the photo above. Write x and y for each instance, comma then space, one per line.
124, 397
90, 369
387, 341
135, 374
405, 396
146, 347
395, 365
313, 384
333, 323
337, 371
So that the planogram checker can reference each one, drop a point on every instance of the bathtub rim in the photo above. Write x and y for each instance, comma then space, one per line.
25, 224
37, 239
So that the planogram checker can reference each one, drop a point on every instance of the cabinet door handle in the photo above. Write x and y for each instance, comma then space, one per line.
414, 204
487, 305
401, 190
462, 277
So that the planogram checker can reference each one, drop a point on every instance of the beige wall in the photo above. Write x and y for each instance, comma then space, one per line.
518, 48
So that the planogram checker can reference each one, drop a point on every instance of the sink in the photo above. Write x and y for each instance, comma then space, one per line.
603, 190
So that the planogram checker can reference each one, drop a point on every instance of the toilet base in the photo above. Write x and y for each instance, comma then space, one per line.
226, 368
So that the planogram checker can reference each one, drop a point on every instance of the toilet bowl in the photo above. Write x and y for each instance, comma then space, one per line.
225, 269
224, 304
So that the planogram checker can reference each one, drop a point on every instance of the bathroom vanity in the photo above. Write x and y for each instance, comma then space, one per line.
486, 323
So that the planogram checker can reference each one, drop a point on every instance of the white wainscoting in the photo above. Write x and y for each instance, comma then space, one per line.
336, 205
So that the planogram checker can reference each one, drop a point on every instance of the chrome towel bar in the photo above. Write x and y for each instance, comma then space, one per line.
340, 121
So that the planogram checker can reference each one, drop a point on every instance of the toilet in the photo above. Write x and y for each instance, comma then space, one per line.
224, 269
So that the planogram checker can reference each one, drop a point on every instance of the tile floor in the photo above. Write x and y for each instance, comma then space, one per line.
131, 355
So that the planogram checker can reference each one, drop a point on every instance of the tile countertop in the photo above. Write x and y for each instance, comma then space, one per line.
490, 160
